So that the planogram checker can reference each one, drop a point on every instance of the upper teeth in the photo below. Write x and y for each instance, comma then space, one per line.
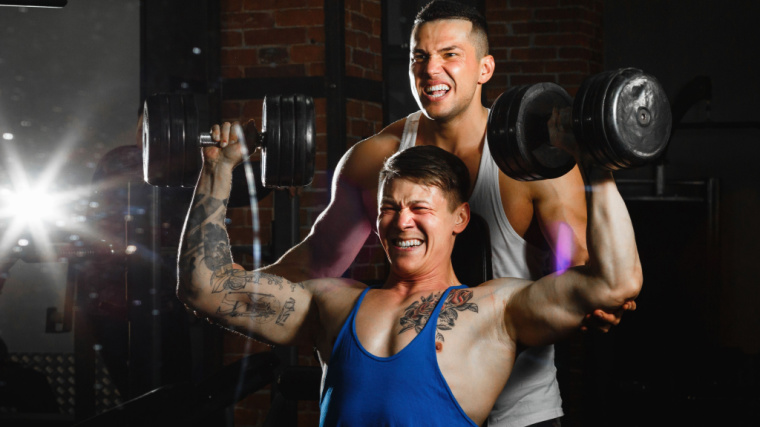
408, 243
436, 88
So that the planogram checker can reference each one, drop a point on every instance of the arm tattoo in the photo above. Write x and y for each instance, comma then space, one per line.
419, 312
290, 306
261, 308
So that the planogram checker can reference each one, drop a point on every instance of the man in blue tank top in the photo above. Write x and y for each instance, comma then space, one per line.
422, 349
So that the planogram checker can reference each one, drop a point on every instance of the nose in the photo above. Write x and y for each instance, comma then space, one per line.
432, 65
404, 219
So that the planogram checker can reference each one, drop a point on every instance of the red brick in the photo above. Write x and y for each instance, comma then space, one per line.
320, 161
275, 36
557, 14
354, 71
509, 41
532, 53
359, 22
273, 55
534, 27
565, 66
230, 109
247, 417
305, 53
352, 5
239, 216
247, 21
284, 70
271, 4
510, 15
373, 112
533, 3
354, 108
372, 9
575, 27
252, 109
575, 53
316, 34
244, 57
561, 40
360, 39
231, 5
231, 72
301, 17
231, 39
524, 79
363, 59
492, 5
315, 69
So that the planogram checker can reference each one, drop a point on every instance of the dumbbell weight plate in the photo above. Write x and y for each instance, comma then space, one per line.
625, 118
191, 166
155, 139
289, 150
518, 135
287, 141
270, 152
305, 141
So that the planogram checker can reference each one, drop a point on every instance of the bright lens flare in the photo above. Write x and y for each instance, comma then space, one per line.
31, 206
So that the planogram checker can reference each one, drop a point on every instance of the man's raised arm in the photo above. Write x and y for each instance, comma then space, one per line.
555, 305
268, 307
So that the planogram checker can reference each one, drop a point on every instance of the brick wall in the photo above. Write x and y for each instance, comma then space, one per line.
363, 27
536, 41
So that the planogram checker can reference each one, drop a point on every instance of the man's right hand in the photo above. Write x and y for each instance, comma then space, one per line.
229, 151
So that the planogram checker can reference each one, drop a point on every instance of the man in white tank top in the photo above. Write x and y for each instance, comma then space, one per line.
449, 65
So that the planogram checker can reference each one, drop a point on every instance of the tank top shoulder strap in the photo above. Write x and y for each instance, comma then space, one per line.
409, 137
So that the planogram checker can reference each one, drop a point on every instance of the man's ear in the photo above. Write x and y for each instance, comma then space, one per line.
462, 214
487, 66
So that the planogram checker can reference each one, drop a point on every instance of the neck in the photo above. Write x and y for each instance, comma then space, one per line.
409, 283
465, 131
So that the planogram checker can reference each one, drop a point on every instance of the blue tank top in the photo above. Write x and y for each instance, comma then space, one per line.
406, 389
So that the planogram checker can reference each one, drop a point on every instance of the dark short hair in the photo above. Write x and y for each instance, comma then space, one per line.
431, 166
447, 9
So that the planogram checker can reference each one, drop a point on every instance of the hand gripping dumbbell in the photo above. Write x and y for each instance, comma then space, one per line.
172, 141
622, 118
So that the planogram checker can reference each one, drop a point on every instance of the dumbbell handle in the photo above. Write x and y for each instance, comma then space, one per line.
207, 141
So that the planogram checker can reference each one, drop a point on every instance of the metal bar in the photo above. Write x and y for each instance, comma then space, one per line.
335, 68
363, 89
57, 4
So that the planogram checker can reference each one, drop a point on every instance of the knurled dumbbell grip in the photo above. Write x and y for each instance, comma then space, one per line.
207, 141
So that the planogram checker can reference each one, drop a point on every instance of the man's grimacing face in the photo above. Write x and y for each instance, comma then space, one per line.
417, 226
446, 67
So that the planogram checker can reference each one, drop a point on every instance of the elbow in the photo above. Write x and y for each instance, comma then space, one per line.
627, 286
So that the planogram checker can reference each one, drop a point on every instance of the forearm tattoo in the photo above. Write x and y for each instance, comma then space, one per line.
207, 242
417, 314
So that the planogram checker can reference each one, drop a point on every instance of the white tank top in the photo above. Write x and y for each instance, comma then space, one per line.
532, 393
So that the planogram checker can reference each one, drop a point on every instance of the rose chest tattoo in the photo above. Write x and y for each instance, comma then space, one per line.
417, 314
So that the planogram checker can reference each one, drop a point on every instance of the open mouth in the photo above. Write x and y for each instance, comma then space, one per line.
437, 91
407, 243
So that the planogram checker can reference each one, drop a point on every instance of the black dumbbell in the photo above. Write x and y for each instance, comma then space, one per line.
621, 117
172, 141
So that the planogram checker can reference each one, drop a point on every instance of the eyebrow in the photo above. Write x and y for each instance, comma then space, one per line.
445, 49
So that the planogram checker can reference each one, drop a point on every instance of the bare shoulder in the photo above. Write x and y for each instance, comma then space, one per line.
362, 163
334, 299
